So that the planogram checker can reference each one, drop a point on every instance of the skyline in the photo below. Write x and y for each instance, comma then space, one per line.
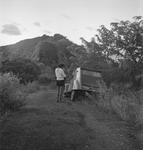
72, 18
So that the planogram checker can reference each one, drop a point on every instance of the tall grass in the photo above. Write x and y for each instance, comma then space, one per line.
31, 87
125, 102
140, 114
11, 95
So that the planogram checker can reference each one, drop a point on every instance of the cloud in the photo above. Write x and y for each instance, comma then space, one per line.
66, 17
10, 29
37, 24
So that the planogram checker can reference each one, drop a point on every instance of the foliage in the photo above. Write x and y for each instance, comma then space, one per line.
118, 51
30, 87
24, 69
123, 40
117, 75
46, 50
60, 50
11, 95
122, 101
48, 54
47, 75
95, 58
78, 54
63, 52
140, 115
44, 79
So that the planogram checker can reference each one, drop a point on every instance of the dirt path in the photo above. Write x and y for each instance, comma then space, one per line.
47, 125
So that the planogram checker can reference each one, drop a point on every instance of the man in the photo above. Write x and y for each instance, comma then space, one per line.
60, 79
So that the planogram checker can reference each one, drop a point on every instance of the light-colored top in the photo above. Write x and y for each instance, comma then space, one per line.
60, 75
77, 79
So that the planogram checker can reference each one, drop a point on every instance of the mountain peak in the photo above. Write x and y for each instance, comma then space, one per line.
43, 48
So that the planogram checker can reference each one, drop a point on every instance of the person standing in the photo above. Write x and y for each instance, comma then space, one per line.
60, 81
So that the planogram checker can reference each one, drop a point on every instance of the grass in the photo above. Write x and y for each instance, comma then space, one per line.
39, 130
46, 125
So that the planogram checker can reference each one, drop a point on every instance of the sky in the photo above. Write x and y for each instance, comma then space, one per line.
22, 19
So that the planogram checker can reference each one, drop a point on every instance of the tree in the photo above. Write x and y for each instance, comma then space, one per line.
95, 57
124, 40
121, 45
24, 69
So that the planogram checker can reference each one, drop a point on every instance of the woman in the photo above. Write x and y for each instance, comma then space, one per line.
60, 79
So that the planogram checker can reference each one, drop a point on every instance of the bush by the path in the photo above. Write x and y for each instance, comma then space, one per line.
31, 87
25, 69
121, 100
44, 79
11, 95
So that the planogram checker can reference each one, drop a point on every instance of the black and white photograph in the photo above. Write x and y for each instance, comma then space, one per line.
71, 74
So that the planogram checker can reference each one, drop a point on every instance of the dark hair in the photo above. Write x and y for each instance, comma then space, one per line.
61, 65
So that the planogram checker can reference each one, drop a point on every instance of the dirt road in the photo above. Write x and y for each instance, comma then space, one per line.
46, 125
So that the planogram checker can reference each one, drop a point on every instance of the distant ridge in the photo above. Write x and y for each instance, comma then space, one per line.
49, 50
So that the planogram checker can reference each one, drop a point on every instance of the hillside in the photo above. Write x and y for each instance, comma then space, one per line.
49, 50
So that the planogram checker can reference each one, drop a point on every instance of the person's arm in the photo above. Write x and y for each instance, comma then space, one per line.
56, 73
63, 74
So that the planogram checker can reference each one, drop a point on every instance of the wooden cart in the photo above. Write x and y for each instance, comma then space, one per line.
84, 80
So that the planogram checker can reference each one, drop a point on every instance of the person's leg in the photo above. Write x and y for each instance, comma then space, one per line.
58, 94
73, 95
62, 93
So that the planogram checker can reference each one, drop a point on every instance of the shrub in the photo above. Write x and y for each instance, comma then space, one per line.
126, 105
140, 115
31, 87
25, 69
44, 79
11, 95
122, 101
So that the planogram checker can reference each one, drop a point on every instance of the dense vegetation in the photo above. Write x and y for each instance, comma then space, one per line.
11, 95
118, 51
25, 69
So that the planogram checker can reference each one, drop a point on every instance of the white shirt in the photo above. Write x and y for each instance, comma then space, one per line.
60, 75
77, 79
